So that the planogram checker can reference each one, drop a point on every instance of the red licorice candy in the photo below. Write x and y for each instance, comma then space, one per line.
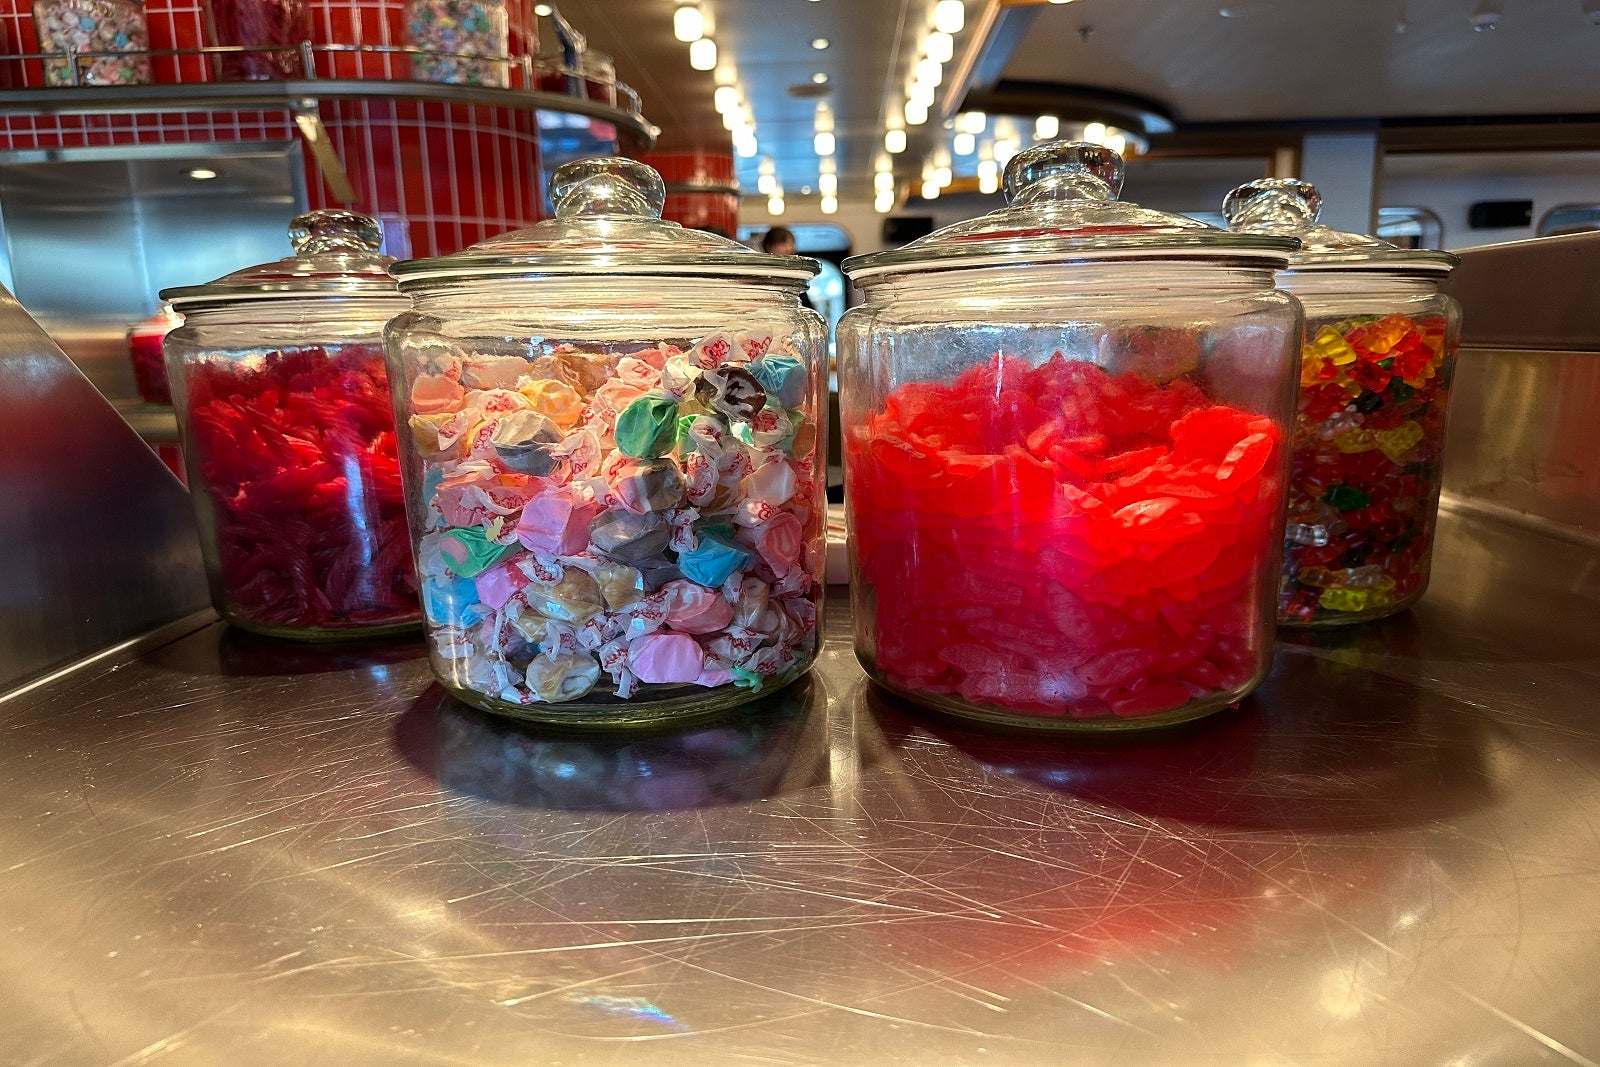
1059, 541
296, 451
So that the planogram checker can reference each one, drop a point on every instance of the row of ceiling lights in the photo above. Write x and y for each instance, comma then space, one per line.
1005, 138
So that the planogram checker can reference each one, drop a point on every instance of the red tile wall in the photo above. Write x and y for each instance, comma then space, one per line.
698, 209
455, 174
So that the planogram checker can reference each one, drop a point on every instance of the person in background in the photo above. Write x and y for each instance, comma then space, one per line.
779, 241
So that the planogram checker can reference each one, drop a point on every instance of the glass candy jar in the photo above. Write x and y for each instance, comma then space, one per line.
1065, 429
610, 440
277, 27
106, 26
283, 404
145, 346
1375, 370
464, 42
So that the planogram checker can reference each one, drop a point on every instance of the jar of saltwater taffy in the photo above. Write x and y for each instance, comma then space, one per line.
610, 440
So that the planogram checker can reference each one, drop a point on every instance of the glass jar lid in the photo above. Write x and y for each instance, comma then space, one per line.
335, 257
607, 223
1062, 207
1290, 207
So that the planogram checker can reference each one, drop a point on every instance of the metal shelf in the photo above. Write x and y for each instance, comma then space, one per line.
299, 94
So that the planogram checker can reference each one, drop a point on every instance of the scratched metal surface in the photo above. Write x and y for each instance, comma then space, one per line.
225, 851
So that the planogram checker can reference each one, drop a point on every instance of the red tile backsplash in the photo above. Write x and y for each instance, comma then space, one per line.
454, 174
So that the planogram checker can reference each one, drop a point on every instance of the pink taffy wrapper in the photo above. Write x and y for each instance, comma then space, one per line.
555, 524
694, 609
666, 659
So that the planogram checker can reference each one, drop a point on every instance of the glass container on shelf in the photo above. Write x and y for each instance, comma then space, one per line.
98, 26
610, 440
145, 339
275, 26
287, 423
1368, 445
1065, 449
464, 42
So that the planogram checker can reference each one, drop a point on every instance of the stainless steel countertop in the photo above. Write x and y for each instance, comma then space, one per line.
222, 850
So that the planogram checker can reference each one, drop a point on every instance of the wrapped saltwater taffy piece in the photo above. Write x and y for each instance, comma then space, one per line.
632, 497
1065, 500
1368, 447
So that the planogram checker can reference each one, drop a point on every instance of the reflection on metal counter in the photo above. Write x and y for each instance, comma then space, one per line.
232, 850
97, 536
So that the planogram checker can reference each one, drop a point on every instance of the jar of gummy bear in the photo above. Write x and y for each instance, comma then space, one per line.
1065, 433
284, 409
610, 443
1368, 443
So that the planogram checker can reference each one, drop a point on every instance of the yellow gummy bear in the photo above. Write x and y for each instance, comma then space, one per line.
556, 401
1329, 344
1343, 599
1400, 440
1357, 440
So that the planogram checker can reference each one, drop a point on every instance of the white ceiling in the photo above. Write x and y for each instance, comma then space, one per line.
1287, 60
1321, 59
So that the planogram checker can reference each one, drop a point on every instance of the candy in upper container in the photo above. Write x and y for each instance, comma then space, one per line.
1368, 445
284, 409
1066, 427
610, 432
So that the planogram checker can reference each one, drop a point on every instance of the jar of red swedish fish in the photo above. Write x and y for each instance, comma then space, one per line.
611, 447
284, 408
1066, 429
1375, 373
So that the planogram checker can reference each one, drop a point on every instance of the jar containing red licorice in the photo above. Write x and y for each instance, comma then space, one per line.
145, 341
1368, 445
1065, 434
284, 408
610, 438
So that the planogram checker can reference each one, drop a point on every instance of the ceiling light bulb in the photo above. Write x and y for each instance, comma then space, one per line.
930, 72
828, 184
949, 16
767, 184
829, 204
775, 205
988, 168
819, 78
943, 175
930, 190
883, 203
828, 165
923, 95
1117, 143
916, 113
688, 24
988, 183
940, 47
819, 43
542, 10
768, 167
971, 122
894, 141
823, 143
200, 174
746, 148
1095, 133
1004, 150
1047, 128
726, 99
964, 144
883, 182
703, 54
